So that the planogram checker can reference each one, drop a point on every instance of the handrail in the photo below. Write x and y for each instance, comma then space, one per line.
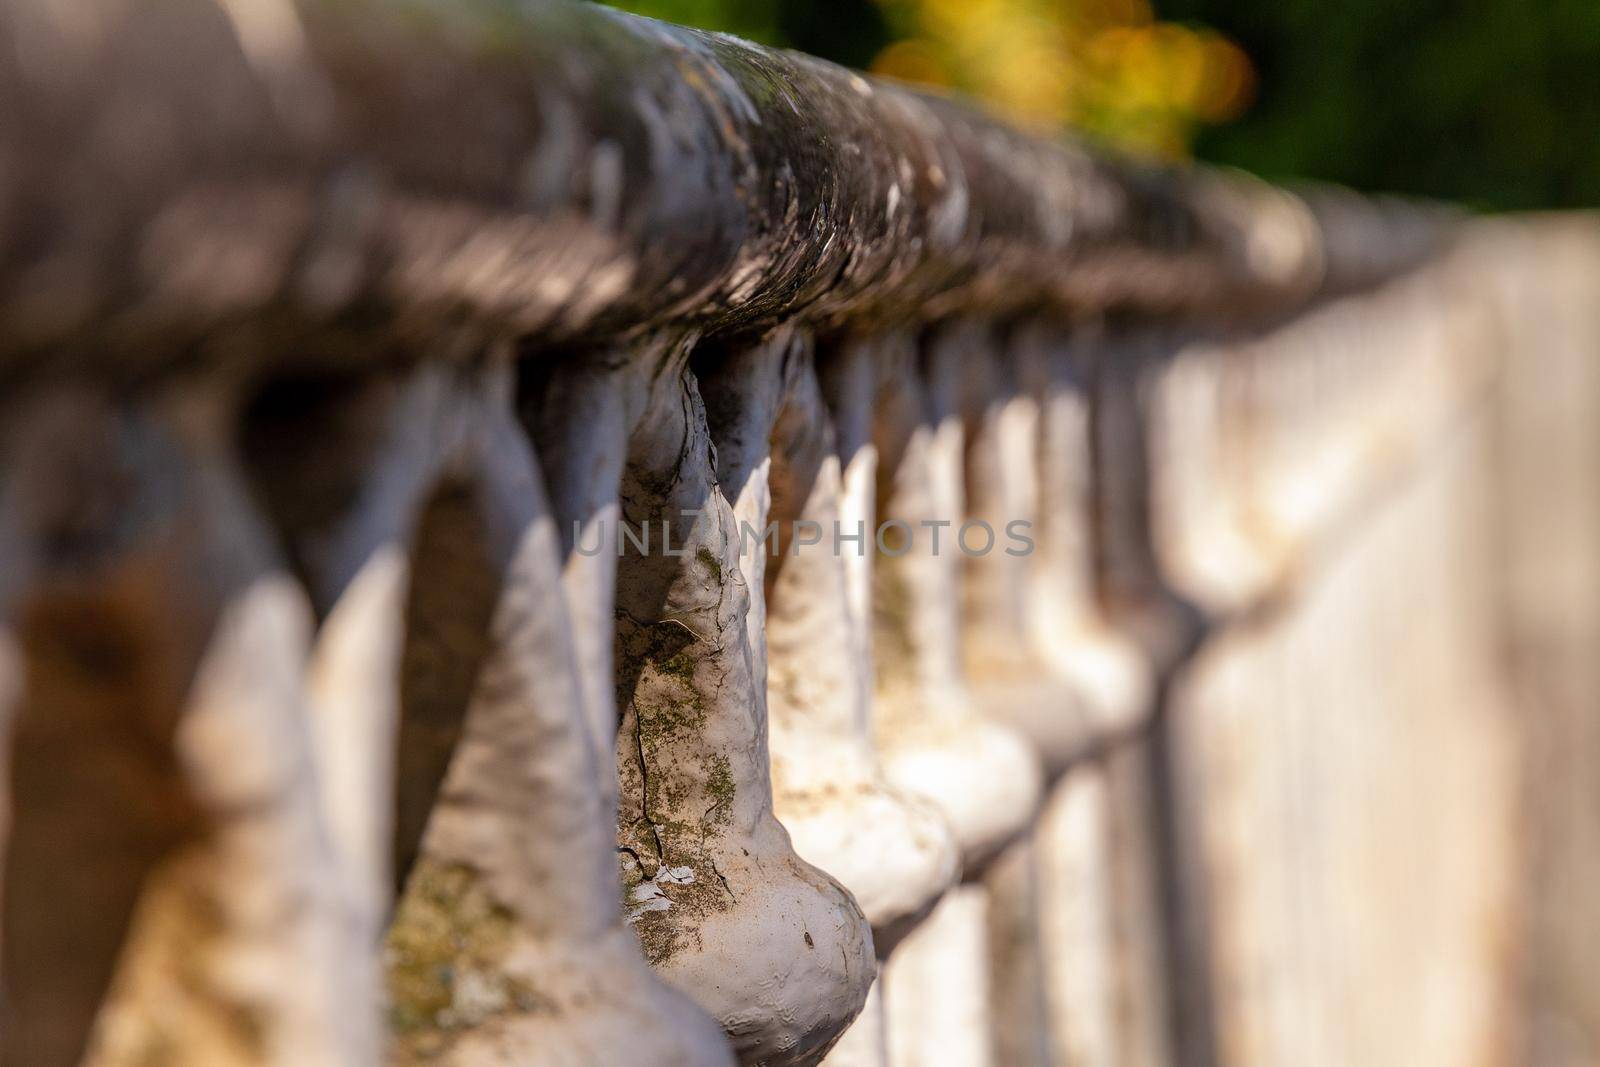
564, 172
348, 348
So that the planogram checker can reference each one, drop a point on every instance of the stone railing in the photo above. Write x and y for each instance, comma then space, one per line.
534, 536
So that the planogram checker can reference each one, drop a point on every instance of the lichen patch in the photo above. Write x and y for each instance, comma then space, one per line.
444, 957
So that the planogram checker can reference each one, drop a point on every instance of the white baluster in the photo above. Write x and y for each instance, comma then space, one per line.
187, 841
774, 948
509, 942
982, 776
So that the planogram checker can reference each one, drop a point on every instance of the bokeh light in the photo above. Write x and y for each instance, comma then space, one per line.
1108, 69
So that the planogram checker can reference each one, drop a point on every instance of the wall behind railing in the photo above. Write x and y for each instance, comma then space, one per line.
469, 480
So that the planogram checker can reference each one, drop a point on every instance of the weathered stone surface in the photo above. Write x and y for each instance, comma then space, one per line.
331, 333
555, 170
774, 948
165, 861
778, 458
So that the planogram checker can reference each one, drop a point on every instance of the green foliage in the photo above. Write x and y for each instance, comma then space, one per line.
1493, 103
1106, 68
753, 19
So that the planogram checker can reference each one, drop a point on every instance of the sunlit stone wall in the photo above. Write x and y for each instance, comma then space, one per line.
551, 538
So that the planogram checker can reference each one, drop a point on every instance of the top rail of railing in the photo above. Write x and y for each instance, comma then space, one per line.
287, 174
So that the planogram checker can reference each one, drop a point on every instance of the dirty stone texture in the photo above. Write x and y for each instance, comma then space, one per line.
579, 407
378, 488
983, 777
775, 442
508, 940
345, 472
169, 896
778, 951
288, 287
562, 171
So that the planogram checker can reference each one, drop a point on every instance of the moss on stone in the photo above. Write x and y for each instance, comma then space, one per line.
444, 957
662, 934
659, 936
719, 784
709, 560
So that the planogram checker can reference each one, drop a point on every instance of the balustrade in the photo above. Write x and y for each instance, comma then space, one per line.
541, 536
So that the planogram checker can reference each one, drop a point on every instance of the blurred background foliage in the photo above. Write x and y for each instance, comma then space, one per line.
1495, 103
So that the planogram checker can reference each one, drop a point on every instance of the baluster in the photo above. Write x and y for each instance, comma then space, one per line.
774, 948
1042, 655
1020, 1020
344, 467
1300, 472
1069, 629
1045, 661
1207, 547
866, 1042
893, 853
936, 986
1142, 1032
508, 941
1015, 677
982, 776
1082, 967
775, 441
1010, 685
169, 870
1224, 704
848, 382
579, 408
